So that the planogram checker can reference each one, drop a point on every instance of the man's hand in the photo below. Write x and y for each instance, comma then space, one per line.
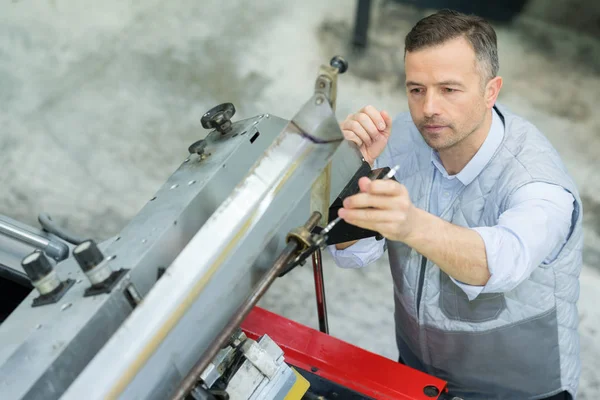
370, 130
383, 206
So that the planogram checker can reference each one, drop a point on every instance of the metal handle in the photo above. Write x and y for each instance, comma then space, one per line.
57, 250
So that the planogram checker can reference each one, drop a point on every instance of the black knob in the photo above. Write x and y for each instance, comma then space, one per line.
219, 117
36, 266
197, 147
88, 255
339, 63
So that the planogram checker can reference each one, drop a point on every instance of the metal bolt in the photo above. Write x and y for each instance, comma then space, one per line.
267, 115
431, 391
321, 84
186, 160
144, 240
255, 122
152, 199
175, 186
111, 257
79, 281
38, 326
319, 100
191, 182
65, 306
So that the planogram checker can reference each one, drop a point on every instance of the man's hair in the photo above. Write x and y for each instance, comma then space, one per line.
447, 25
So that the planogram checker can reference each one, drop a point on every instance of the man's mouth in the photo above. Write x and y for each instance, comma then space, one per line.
434, 128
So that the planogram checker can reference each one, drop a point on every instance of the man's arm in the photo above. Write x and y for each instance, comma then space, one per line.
459, 252
493, 259
532, 231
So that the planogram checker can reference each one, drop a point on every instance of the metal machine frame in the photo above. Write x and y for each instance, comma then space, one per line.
142, 314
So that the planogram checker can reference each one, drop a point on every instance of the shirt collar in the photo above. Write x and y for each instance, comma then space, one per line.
481, 158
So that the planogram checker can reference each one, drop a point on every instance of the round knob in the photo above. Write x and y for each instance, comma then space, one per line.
36, 266
197, 147
219, 117
339, 63
88, 255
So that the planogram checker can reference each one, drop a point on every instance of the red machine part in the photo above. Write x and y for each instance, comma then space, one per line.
340, 362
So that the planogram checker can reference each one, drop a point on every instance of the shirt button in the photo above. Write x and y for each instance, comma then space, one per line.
446, 194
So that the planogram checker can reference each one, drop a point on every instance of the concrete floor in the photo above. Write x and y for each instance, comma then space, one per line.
99, 101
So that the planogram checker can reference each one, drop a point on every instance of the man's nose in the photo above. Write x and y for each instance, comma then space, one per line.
431, 104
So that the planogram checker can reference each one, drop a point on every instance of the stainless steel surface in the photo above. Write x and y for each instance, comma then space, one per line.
170, 329
252, 382
191, 379
42, 363
215, 227
217, 366
287, 255
44, 348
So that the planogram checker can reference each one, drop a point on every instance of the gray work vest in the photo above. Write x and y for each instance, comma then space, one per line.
522, 344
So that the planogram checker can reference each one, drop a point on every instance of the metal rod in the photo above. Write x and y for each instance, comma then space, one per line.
55, 250
287, 255
320, 291
191, 379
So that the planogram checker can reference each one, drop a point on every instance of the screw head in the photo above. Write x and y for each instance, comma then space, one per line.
431, 391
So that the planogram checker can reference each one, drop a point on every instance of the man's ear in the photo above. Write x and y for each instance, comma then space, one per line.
492, 90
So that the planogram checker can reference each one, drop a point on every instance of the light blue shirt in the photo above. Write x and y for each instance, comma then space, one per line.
532, 230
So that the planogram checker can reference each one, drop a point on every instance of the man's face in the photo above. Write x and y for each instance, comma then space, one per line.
445, 92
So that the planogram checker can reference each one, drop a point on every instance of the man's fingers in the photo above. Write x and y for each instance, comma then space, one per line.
351, 136
386, 187
355, 127
364, 216
368, 125
388, 122
375, 116
365, 200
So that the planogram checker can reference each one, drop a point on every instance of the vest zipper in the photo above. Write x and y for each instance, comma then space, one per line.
421, 280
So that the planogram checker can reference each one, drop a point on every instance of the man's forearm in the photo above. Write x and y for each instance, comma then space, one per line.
458, 251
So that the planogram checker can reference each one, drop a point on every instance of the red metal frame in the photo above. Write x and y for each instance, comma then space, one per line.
340, 362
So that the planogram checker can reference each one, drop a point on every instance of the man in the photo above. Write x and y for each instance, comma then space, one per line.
483, 226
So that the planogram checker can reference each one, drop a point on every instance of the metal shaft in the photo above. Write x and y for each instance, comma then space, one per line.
55, 250
287, 255
320, 291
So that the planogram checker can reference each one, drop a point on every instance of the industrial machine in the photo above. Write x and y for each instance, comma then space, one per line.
167, 308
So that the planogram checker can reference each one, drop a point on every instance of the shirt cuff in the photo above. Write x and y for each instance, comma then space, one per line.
360, 254
470, 290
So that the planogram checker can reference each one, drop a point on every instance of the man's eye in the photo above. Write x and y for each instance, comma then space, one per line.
449, 90
416, 90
